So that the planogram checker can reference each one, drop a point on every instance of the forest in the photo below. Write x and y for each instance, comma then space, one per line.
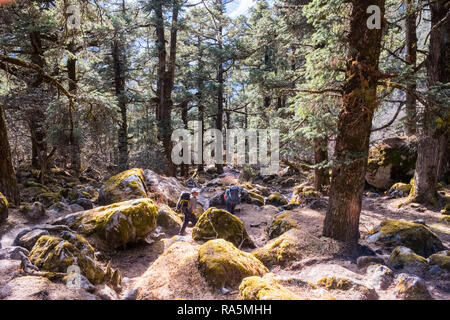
349, 101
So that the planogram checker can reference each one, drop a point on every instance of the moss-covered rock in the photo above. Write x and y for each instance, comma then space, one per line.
404, 257
56, 254
117, 224
391, 160
3, 208
126, 185
252, 197
281, 250
440, 259
257, 288
48, 198
281, 223
168, 220
276, 199
409, 287
446, 209
417, 237
223, 265
400, 190
344, 284
33, 211
217, 223
304, 194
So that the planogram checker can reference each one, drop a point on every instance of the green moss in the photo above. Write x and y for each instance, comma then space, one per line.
3, 201
411, 288
276, 199
303, 195
257, 288
49, 198
126, 185
217, 223
120, 223
223, 265
441, 259
55, 254
280, 251
415, 236
403, 188
331, 283
168, 219
281, 223
403, 257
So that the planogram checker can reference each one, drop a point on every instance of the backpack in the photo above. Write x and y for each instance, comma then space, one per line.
183, 200
232, 195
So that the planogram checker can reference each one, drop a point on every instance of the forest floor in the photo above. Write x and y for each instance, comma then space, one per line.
136, 260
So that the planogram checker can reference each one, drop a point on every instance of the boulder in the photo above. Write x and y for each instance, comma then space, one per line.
48, 198
440, 259
304, 195
3, 208
276, 199
55, 254
417, 237
168, 220
409, 287
252, 197
257, 288
59, 209
365, 261
117, 224
281, 250
124, 186
403, 257
34, 211
346, 284
40, 288
29, 239
174, 275
400, 190
392, 160
223, 265
380, 276
281, 223
217, 223
162, 189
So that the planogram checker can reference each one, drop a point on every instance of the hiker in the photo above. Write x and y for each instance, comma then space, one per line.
187, 204
232, 198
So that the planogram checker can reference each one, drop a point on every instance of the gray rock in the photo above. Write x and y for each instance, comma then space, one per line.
86, 204
380, 277
106, 293
409, 287
364, 261
29, 239
35, 211
76, 208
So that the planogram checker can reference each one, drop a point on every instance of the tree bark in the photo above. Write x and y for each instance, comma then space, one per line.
411, 58
166, 74
120, 91
321, 176
354, 125
220, 90
74, 143
8, 181
433, 136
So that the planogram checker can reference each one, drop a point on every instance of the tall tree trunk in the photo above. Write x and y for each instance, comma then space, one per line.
166, 76
37, 118
200, 88
321, 175
411, 58
433, 135
74, 143
8, 182
220, 92
354, 125
120, 90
